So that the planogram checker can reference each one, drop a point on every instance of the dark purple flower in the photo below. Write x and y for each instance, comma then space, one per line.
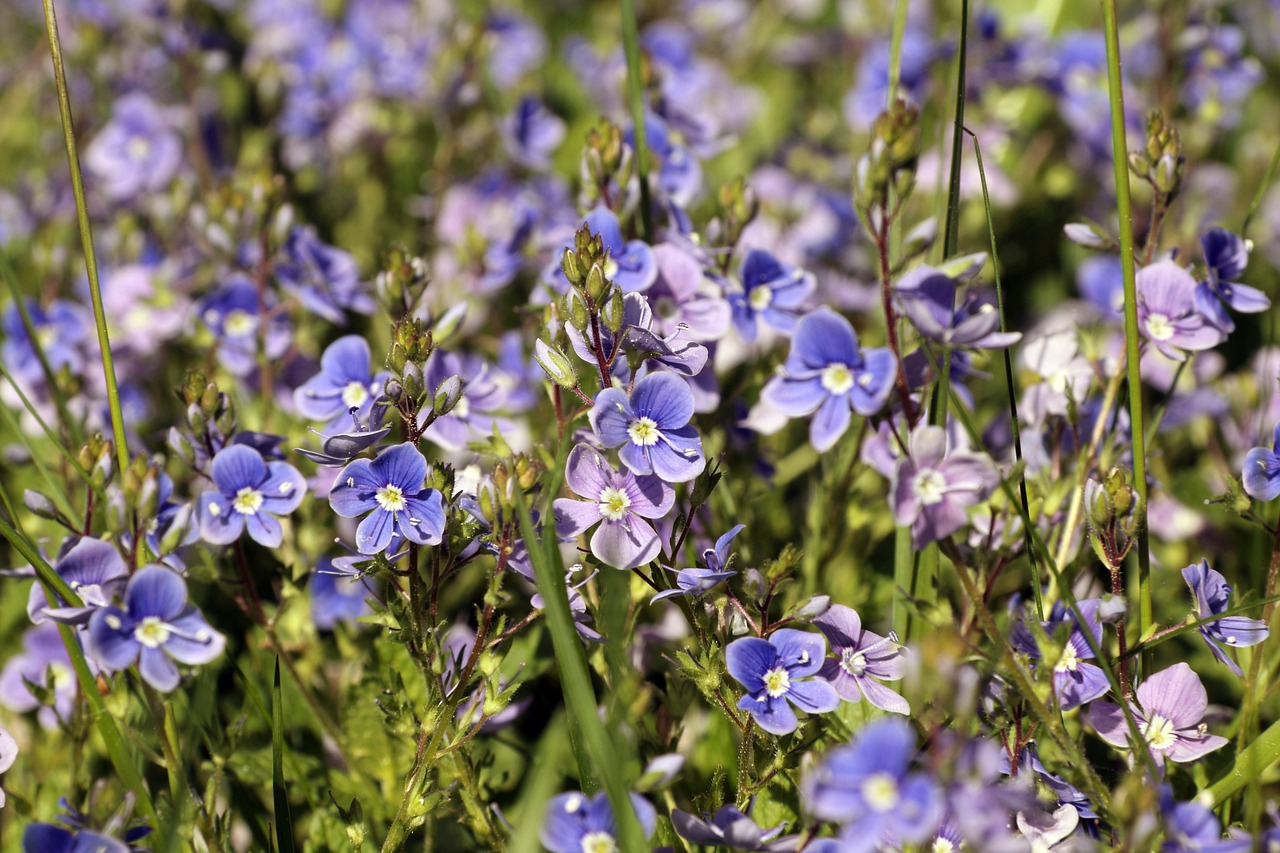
248, 494
651, 425
868, 786
714, 571
532, 133
391, 489
860, 657
1167, 312
577, 823
929, 299
826, 375
94, 570
339, 593
1261, 474
346, 382
1075, 680
323, 278
932, 489
48, 838
733, 829
1212, 594
1225, 255
772, 291
137, 152
1173, 703
156, 627
619, 503
772, 671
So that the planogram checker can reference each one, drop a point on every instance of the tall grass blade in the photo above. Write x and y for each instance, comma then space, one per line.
635, 103
279, 792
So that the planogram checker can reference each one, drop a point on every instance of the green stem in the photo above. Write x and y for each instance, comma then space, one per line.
635, 102
895, 48
86, 236
1119, 155
1262, 191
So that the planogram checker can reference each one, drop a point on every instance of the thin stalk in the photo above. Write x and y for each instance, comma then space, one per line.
55, 488
1262, 191
86, 236
635, 102
51, 435
1119, 155
895, 48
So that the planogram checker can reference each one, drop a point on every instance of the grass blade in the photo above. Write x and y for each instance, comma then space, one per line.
635, 103
279, 793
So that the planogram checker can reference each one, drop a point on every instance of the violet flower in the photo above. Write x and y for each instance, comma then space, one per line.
532, 133
682, 299
44, 663
136, 152
1075, 680
391, 488
931, 488
772, 292
928, 297
733, 829
324, 278
1261, 474
1212, 593
715, 572
577, 823
8, 755
60, 329
651, 425
1173, 703
233, 314
1167, 312
860, 656
248, 494
631, 263
94, 570
345, 387
156, 627
826, 375
772, 671
618, 503
1225, 255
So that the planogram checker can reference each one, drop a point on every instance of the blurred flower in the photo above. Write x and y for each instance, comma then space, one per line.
248, 494
772, 671
233, 314
60, 329
8, 755
732, 829
860, 656
136, 152
651, 427
391, 489
339, 593
156, 627
932, 489
577, 823
323, 278
772, 292
44, 664
1212, 593
345, 387
1075, 680
532, 133
682, 300
1173, 702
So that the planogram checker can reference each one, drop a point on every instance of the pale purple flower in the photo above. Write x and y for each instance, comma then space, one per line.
732, 829
94, 570
932, 488
1167, 312
1173, 703
861, 657
1261, 473
772, 292
1076, 680
714, 572
156, 627
8, 755
651, 427
777, 674
136, 152
577, 823
346, 385
1212, 594
392, 490
828, 376
1053, 355
248, 494
618, 502
45, 663
928, 298
682, 300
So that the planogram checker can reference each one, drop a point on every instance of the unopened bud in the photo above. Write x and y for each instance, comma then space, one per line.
447, 395
555, 364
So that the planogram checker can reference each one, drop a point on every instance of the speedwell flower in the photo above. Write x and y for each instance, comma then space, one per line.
1261, 474
248, 494
772, 291
861, 656
772, 670
94, 570
390, 489
577, 823
1225, 255
932, 488
1076, 680
714, 572
652, 427
1167, 312
1212, 594
156, 627
346, 385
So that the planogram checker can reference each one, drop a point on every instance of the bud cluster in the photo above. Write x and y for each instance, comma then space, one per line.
1161, 162
890, 162
606, 163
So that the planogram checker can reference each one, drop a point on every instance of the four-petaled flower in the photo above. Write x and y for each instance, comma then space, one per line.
860, 657
1173, 702
652, 427
1212, 594
1167, 312
618, 502
827, 374
772, 291
929, 299
1225, 255
772, 670
345, 386
156, 627
932, 488
248, 494
577, 823
391, 489
715, 572
1261, 474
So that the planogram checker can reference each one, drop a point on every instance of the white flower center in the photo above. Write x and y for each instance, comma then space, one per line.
61, 676
880, 790
152, 632
760, 298
462, 408
46, 336
614, 503
1069, 661
644, 432
390, 498
138, 147
239, 324
599, 842
1158, 732
777, 682
929, 486
354, 395
942, 845
247, 501
1159, 327
837, 378
853, 662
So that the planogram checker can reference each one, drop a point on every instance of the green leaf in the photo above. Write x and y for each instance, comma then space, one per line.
280, 795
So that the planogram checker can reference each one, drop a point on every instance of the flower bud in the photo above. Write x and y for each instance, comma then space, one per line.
446, 396
40, 504
555, 364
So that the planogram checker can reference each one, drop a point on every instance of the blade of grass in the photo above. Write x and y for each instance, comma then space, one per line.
895, 48
279, 793
1262, 191
1251, 762
596, 748
635, 102
56, 491
86, 236
1132, 343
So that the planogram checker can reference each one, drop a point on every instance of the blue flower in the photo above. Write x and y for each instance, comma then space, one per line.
827, 374
772, 670
137, 152
339, 592
248, 493
652, 427
772, 292
733, 829
60, 329
868, 786
714, 573
233, 314
48, 838
1075, 679
679, 173
43, 663
1261, 474
577, 823
532, 133
1212, 594
323, 278
345, 385
156, 627
389, 488
1226, 255
94, 570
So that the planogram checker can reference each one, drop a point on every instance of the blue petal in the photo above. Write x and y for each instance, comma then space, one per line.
158, 669
155, 591
238, 466
748, 659
402, 466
